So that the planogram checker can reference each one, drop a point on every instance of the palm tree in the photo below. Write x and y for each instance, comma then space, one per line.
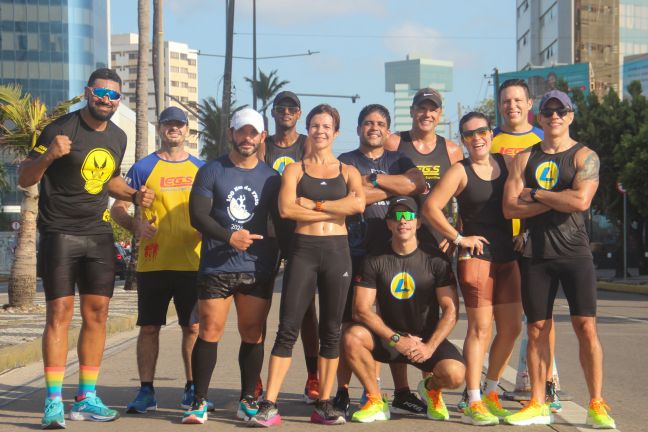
266, 87
22, 119
208, 113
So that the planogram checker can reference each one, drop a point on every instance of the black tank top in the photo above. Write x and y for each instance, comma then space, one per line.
555, 234
278, 157
480, 208
321, 189
433, 165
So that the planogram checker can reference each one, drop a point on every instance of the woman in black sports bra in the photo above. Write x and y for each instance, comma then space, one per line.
488, 272
318, 194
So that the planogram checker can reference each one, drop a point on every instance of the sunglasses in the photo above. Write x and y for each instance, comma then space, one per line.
400, 215
103, 92
481, 132
282, 108
549, 112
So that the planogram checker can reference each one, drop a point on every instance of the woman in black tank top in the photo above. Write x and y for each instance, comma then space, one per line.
488, 272
318, 194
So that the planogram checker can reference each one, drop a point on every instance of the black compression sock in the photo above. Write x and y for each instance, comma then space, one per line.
311, 365
203, 361
250, 362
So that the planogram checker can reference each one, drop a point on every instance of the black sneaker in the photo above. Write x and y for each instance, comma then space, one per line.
342, 402
266, 416
327, 414
407, 403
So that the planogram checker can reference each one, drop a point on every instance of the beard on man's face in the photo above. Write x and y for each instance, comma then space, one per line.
246, 152
98, 115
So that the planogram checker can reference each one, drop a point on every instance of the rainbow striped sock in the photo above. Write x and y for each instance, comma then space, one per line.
87, 380
54, 380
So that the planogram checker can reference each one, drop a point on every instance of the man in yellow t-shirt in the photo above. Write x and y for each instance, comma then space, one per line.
169, 251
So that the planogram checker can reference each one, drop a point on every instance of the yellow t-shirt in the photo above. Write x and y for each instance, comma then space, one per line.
508, 143
176, 245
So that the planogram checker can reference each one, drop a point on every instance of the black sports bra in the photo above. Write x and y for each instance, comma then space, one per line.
322, 189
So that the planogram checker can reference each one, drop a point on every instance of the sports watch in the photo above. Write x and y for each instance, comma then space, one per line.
393, 340
373, 178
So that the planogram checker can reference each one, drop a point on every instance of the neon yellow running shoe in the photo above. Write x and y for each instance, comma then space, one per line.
477, 414
533, 413
436, 408
598, 417
492, 402
373, 410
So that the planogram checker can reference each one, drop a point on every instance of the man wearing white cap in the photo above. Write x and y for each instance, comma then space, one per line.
230, 202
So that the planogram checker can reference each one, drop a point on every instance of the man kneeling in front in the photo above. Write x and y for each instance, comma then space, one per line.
409, 286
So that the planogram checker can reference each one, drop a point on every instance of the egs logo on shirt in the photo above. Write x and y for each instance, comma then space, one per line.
180, 181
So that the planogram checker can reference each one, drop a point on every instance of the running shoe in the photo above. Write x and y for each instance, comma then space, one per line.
492, 402
407, 403
373, 410
327, 414
267, 415
144, 401
533, 413
463, 403
53, 417
197, 414
248, 406
258, 390
477, 414
598, 417
436, 408
552, 397
92, 408
311, 389
363, 397
342, 402
188, 397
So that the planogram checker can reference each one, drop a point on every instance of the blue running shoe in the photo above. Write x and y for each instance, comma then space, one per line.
188, 397
197, 414
54, 418
248, 407
92, 408
144, 401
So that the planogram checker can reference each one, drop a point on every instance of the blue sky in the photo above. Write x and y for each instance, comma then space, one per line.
354, 37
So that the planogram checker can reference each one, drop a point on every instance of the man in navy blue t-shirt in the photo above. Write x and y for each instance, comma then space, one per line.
384, 174
231, 200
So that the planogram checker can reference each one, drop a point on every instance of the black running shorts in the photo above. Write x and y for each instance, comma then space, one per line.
66, 260
223, 285
155, 289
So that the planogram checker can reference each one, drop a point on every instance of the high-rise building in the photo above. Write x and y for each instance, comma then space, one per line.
51, 47
180, 84
571, 31
405, 77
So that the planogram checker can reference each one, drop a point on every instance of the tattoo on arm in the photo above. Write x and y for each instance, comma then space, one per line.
590, 168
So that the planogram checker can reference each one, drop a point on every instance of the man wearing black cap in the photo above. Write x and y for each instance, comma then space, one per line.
409, 286
551, 185
281, 149
168, 252
431, 153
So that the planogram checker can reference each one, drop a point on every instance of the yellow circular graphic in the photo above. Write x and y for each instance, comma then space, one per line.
402, 286
547, 175
98, 167
106, 215
280, 164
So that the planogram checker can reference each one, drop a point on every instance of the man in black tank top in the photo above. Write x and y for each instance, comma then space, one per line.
281, 149
431, 153
551, 184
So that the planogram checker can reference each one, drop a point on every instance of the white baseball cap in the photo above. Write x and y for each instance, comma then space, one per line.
247, 116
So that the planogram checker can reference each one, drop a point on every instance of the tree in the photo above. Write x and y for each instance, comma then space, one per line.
209, 113
266, 87
23, 118
141, 113
486, 107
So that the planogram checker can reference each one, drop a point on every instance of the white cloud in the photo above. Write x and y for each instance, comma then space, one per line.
416, 40
296, 12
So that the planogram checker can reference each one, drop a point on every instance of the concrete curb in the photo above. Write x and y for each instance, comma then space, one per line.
624, 288
19, 355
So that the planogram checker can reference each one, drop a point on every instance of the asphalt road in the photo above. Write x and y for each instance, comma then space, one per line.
623, 327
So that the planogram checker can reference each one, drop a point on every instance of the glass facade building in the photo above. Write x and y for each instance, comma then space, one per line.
50, 47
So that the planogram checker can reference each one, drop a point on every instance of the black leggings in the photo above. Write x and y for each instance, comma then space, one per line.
315, 261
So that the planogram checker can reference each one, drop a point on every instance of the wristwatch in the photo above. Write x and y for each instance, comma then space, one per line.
533, 194
373, 178
134, 197
318, 205
393, 340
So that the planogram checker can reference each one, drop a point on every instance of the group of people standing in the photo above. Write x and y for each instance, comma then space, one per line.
369, 231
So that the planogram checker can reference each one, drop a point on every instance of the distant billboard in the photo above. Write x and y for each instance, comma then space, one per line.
635, 68
542, 80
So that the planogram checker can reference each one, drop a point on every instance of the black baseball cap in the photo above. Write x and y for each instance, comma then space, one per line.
286, 95
428, 94
173, 114
405, 201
